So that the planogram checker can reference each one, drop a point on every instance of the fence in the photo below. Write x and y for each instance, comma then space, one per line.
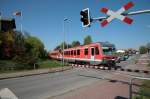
139, 94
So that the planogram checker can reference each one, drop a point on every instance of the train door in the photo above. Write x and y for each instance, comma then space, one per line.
92, 53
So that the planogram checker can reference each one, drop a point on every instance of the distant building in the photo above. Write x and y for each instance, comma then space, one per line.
7, 24
120, 51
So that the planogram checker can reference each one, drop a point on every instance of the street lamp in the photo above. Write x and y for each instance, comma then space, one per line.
65, 20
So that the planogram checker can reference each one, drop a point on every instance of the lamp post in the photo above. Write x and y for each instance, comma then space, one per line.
65, 20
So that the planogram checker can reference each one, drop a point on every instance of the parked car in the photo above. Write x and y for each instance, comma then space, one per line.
126, 56
118, 59
122, 58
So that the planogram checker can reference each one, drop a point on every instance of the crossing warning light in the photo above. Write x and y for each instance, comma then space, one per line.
85, 17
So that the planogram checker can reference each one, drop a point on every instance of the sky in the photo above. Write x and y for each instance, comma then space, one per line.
44, 19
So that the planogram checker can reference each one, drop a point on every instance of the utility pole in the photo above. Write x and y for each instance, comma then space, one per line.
64, 34
65, 19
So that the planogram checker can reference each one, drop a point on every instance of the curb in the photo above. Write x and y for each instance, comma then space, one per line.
25, 75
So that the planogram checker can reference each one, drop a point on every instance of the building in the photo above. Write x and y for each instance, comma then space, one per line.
7, 24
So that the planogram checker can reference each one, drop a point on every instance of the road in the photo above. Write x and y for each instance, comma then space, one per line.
53, 84
47, 85
114, 86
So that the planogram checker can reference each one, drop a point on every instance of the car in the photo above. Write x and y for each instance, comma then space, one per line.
126, 57
122, 58
118, 59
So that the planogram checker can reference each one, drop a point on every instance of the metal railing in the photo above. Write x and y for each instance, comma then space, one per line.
131, 92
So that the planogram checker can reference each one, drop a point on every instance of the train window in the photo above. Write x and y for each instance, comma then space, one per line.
68, 52
86, 51
96, 51
74, 52
78, 52
92, 51
64, 52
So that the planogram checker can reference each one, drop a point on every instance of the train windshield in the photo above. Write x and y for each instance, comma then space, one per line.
108, 50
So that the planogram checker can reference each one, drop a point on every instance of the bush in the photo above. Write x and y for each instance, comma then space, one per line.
9, 65
143, 50
50, 64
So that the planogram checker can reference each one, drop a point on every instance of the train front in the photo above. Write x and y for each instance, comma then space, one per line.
108, 57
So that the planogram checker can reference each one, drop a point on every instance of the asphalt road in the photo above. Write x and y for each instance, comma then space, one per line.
48, 85
53, 84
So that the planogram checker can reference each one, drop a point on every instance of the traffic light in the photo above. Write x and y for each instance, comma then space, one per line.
85, 17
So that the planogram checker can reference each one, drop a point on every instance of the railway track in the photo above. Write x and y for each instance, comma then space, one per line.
117, 68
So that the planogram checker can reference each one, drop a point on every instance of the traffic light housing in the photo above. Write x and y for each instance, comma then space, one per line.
85, 17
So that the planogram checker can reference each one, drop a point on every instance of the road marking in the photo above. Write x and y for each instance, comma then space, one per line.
6, 93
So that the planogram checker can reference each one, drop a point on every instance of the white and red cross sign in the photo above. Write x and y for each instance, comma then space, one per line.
118, 14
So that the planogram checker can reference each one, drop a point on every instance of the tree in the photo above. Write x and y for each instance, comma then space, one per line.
7, 40
148, 47
0, 39
43, 54
87, 40
60, 46
19, 43
0, 42
12, 44
34, 46
34, 49
143, 49
57, 47
75, 43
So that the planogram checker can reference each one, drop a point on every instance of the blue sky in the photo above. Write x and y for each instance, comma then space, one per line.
44, 19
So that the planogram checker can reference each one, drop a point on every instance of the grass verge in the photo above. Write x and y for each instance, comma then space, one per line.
9, 66
144, 90
51, 64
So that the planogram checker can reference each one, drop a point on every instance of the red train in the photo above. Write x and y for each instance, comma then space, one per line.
100, 53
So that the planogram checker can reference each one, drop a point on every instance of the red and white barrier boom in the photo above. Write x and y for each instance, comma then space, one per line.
118, 14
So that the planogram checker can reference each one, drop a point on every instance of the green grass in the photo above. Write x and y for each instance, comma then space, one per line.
9, 66
6, 66
144, 90
50, 64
